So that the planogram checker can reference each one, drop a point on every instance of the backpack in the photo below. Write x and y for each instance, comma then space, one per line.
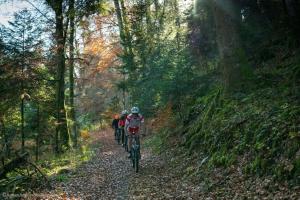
135, 121
122, 122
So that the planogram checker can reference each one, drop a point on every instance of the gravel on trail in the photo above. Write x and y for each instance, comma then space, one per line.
109, 175
105, 176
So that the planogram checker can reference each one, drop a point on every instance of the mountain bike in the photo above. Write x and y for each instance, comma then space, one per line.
122, 132
123, 136
126, 143
118, 136
116, 132
135, 148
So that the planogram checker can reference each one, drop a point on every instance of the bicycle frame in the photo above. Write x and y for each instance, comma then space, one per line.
135, 151
135, 142
118, 135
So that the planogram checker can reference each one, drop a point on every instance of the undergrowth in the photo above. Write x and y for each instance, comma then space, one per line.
258, 130
156, 142
54, 168
54, 165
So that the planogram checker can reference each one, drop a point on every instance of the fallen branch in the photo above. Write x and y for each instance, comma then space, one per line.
38, 170
19, 161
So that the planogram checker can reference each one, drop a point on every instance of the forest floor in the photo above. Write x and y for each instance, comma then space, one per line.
109, 175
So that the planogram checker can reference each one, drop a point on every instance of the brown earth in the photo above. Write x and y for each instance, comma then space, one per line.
170, 175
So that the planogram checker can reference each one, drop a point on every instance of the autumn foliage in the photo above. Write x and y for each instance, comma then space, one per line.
164, 118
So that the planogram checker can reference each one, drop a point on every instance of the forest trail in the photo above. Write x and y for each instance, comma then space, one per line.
217, 80
109, 175
105, 176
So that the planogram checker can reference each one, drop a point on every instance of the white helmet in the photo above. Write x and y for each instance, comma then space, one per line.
135, 110
124, 112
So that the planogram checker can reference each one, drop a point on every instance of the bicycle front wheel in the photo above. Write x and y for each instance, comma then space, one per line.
119, 136
133, 157
126, 143
136, 162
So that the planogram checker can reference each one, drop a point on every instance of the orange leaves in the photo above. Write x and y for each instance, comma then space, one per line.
97, 74
164, 118
95, 46
84, 134
104, 53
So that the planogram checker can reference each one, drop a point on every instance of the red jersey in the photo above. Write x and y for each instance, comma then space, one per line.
133, 122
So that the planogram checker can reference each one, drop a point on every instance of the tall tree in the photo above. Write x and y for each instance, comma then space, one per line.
227, 18
62, 135
72, 14
24, 39
126, 41
292, 8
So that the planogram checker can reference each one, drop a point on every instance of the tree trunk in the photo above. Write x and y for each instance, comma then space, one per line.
62, 135
6, 147
124, 90
127, 35
37, 139
22, 125
125, 41
71, 72
148, 18
177, 23
292, 8
227, 17
123, 28
23, 92
120, 22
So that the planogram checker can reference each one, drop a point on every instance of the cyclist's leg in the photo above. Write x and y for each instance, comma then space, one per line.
123, 136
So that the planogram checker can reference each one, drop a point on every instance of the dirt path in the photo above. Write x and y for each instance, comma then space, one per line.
109, 175
104, 177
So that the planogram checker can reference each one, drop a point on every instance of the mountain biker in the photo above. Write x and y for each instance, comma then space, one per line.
133, 124
122, 125
115, 124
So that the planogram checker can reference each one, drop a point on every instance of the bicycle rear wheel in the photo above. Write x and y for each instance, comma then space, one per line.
126, 143
116, 132
119, 136
123, 136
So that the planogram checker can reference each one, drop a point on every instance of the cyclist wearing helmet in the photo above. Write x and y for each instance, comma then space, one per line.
122, 125
133, 124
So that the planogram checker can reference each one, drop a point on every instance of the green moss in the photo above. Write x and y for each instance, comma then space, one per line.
261, 125
155, 142
222, 159
62, 178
